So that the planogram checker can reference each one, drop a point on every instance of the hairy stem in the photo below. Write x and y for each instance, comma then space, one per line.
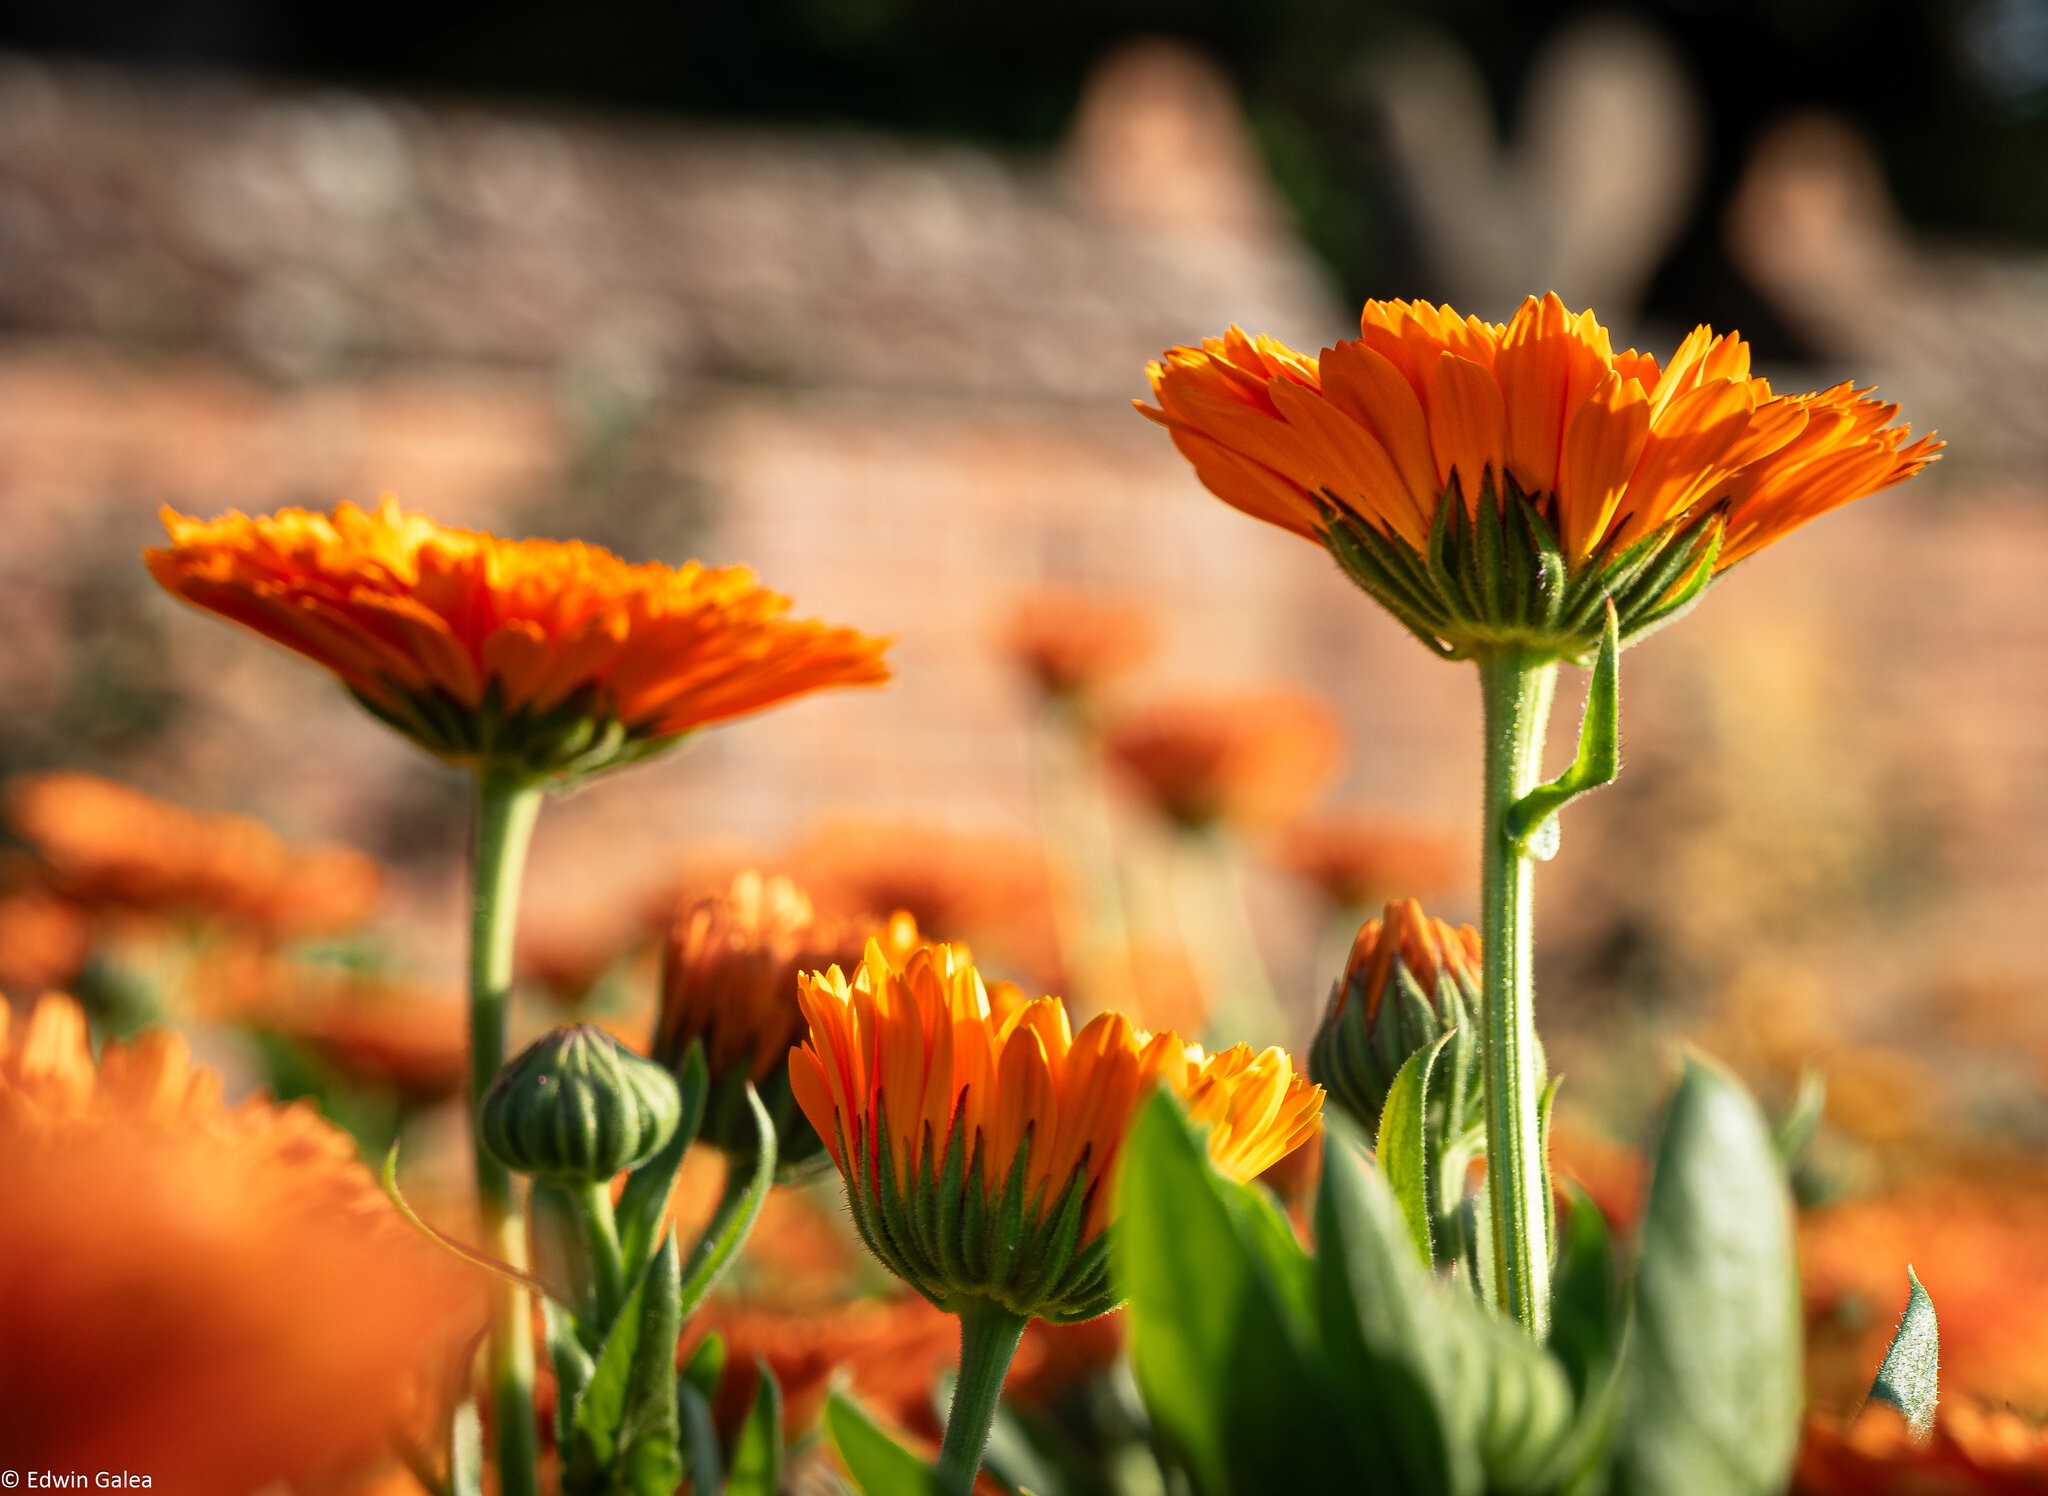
1517, 695
506, 808
988, 1340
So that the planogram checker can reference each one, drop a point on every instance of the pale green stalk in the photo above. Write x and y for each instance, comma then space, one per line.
989, 1334
506, 807
1517, 691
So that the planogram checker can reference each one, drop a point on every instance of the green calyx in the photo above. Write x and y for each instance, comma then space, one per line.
579, 737
1494, 577
964, 1241
577, 1107
1356, 1059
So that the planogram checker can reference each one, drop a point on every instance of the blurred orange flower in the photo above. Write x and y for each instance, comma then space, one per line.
892, 1350
729, 981
1615, 446
905, 1066
1974, 1236
105, 845
44, 941
1355, 859
1072, 644
549, 656
1975, 1451
378, 1031
1252, 758
989, 887
218, 1296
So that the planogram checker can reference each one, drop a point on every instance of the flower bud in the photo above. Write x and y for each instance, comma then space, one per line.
578, 1107
1410, 980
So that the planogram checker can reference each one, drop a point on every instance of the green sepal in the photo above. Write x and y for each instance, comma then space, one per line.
1909, 1378
878, 1464
1403, 1147
643, 1203
1531, 820
755, 1468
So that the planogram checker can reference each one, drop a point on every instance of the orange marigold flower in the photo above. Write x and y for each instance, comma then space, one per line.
218, 1296
1355, 859
1251, 758
977, 1132
377, 1031
729, 983
1072, 644
105, 845
1578, 472
44, 941
1976, 1450
1409, 981
547, 657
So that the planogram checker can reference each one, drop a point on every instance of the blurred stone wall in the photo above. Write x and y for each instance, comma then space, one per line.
894, 377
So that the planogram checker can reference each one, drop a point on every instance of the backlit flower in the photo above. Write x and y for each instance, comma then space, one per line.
977, 1132
218, 1296
1491, 483
729, 982
1355, 860
105, 845
548, 657
1251, 758
1072, 644
1409, 981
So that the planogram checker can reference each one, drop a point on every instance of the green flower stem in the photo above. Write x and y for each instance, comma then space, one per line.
988, 1340
1517, 690
506, 807
593, 1204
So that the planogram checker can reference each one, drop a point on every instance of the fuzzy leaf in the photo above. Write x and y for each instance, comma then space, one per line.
1403, 1148
1218, 1342
878, 1464
1530, 819
1910, 1377
1714, 1372
644, 1201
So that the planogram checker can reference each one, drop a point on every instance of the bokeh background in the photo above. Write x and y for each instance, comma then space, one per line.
858, 292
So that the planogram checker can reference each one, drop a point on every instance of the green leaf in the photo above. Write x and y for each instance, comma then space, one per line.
757, 1452
700, 1438
573, 1367
1403, 1148
1384, 1327
644, 1202
734, 1219
625, 1425
1589, 1336
1714, 1373
1796, 1128
1217, 1341
1910, 1377
706, 1364
878, 1464
1530, 820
